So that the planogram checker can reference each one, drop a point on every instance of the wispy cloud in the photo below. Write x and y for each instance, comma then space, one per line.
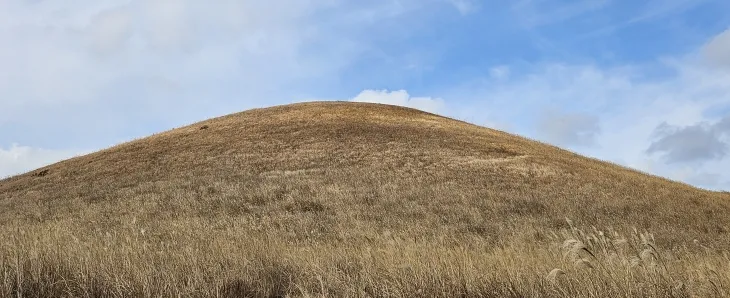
653, 10
717, 51
536, 13
464, 6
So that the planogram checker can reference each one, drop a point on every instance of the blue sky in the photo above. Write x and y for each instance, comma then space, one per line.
642, 83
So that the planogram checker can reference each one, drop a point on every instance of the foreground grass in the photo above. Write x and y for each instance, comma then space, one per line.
205, 259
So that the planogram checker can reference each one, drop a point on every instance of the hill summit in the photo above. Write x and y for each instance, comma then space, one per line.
338, 172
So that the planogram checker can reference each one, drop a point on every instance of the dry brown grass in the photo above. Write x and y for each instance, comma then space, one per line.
353, 199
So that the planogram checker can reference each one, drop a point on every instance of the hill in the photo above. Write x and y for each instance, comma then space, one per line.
300, 199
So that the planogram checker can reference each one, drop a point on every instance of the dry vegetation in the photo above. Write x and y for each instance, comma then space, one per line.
351, 199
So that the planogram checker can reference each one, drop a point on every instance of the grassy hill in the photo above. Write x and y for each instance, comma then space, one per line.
355, 199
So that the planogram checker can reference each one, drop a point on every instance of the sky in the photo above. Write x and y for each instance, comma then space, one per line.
645, 84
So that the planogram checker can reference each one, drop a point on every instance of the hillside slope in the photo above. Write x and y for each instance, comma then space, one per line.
371, 157
336, 172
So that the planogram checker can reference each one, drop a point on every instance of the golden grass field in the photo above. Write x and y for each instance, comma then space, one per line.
355, 200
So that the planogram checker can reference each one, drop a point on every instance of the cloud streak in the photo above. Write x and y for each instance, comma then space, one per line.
717, 51
535, 13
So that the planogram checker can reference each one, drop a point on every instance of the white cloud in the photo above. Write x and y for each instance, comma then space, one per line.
401, 98
18, 159
145, 66
45, 57
71, 53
